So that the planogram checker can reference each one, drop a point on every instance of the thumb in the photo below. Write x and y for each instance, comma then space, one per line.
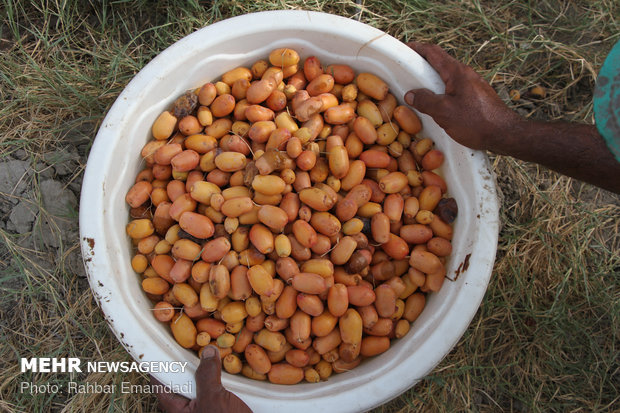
208, 374
424, 100
169, 402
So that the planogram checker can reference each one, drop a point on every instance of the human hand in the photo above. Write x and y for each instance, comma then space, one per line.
470, 111
211, 396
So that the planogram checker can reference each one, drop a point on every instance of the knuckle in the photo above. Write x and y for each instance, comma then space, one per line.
436, 50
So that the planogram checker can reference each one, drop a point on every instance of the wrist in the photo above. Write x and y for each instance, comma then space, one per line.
507, 135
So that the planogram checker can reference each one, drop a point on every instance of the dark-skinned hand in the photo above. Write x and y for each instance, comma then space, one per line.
469, 111
211, 396
473, 115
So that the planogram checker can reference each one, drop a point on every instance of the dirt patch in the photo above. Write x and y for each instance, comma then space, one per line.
39, 208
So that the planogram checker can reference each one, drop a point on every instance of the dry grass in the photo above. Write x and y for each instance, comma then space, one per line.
546, 336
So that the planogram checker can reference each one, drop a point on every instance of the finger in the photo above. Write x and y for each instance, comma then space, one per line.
441, 61
424, 100
209, 372
170, 402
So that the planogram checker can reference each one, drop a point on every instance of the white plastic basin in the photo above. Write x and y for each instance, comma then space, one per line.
203, 56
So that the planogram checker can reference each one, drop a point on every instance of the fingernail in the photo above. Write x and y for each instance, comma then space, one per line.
409, 98
208, 352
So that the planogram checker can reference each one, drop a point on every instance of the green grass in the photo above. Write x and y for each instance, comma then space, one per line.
546, 335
